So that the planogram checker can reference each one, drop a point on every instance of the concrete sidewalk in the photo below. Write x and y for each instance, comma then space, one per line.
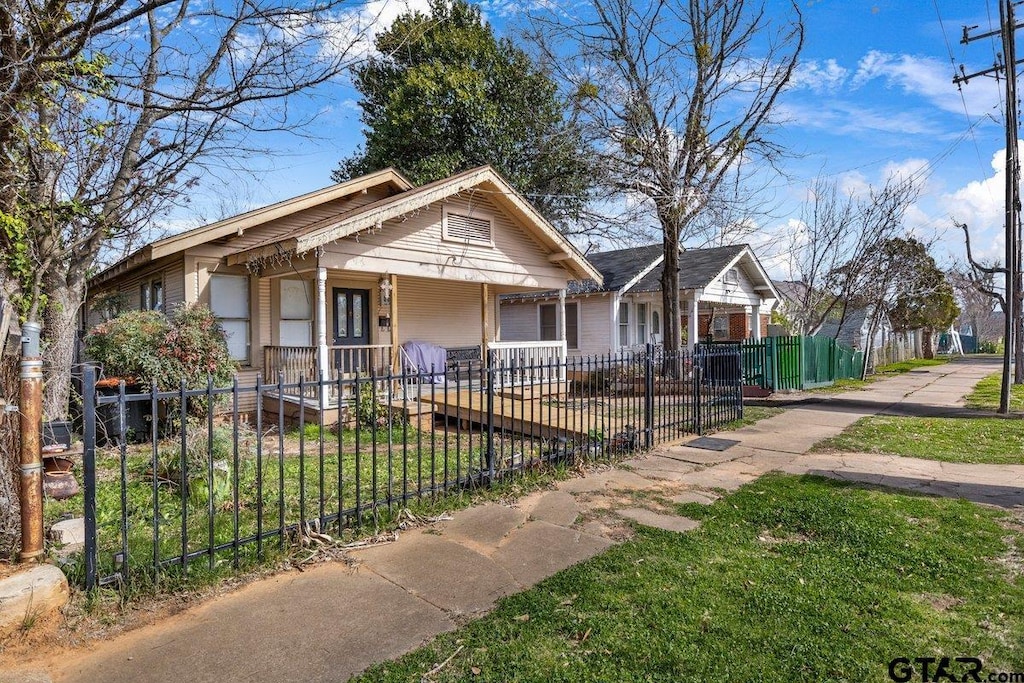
334, 620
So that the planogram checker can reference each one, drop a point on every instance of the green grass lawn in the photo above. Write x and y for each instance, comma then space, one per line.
950, 439
986, 395
789, 579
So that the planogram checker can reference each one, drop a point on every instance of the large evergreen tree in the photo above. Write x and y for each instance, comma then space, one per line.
444, 94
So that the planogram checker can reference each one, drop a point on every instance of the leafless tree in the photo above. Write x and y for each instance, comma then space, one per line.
674, 95
838, 253
109, 113
974, 290
179, 91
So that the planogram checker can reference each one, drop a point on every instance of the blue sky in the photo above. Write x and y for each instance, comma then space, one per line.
873, 96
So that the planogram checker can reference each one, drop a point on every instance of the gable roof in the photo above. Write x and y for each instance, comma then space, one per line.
405, 199
173, 244
698, 268
639, 269
365, 217
618, 267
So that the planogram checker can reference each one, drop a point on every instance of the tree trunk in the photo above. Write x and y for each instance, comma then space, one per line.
927, 349
65, 295
10, 449
670, 296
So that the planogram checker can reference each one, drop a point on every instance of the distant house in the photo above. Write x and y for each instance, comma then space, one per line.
850, 328
725, 296
338, 280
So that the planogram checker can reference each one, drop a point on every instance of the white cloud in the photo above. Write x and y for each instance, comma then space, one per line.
847, 118
980, 205
825, 76
929, 78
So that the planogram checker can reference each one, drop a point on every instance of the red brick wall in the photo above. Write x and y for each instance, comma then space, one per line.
737, 326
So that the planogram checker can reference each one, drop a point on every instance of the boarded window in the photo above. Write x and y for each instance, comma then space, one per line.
229, 301
467, 228
296, 313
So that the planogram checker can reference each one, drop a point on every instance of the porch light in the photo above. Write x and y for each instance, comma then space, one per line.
384, 284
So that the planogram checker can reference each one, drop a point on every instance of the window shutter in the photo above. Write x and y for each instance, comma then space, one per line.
468, 228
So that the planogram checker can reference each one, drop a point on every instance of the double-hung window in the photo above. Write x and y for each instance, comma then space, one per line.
152, 295
549, 324
623, 324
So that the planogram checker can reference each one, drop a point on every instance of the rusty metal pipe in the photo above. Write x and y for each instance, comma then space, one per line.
31, 410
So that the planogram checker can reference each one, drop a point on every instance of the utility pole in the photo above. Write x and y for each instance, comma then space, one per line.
1013, 284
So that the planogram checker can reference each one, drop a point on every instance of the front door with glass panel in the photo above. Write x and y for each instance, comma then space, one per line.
351, 327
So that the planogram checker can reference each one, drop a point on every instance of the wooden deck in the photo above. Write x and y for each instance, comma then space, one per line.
542, 416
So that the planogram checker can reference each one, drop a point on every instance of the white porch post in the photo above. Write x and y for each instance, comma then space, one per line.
754, 321
692, 332
561, 315
323, 360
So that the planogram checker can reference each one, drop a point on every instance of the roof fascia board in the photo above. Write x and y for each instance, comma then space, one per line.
274, 211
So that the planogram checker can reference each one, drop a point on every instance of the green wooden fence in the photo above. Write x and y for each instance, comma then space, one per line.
780, 363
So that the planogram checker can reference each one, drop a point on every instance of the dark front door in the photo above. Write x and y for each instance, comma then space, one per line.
351, 327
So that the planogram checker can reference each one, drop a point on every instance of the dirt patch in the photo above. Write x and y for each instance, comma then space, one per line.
941, 602
779, 537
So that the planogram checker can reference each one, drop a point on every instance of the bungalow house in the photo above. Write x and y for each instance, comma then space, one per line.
337, 280
725, 293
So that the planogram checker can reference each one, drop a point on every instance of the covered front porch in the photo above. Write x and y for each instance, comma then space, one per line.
337, 325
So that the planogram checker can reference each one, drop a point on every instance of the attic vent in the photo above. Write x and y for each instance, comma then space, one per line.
467, 228
732, 277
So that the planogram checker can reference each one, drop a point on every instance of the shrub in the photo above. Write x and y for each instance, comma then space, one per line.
128, 346
375, 414
147, 346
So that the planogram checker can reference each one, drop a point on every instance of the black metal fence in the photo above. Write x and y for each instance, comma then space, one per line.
220, 475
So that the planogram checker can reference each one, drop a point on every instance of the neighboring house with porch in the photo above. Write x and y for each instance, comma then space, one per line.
726, 295
337, 280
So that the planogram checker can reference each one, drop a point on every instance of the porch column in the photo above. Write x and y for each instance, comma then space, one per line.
692, 330
754, 316
485, 319
561, 315
323, 359
396, 362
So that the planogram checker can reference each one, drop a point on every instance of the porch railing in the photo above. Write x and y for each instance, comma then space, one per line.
300, 362
520, 363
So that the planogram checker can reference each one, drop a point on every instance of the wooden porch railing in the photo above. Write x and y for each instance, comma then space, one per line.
295, 362
529, 362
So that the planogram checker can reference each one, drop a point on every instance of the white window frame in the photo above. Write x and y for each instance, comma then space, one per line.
285, 318
540, 322
248, 310
714, 326
623, 324
643, 309
568, 317
474, 214
147, 300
